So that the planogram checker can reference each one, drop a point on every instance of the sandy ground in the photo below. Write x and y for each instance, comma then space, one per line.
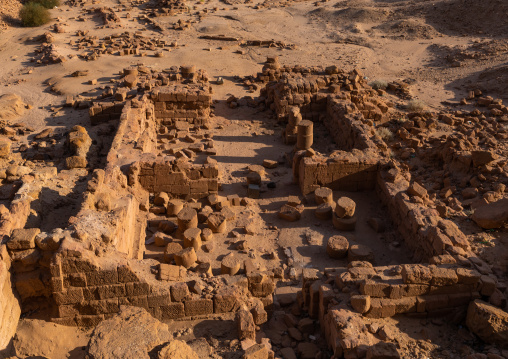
441, 48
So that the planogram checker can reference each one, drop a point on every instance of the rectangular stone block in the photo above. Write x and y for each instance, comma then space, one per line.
434, 302
139, 301
89, 320
443, 276
405, 305
172, 311
67, 310
375, 289
111, 291
103, 306
226, 302
125, 274
56, 285
70, 296
102, 277
198, 307
68, 321
158, 300
137, 288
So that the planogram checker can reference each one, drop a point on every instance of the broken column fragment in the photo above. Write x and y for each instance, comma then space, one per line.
79, 143
305, 135
344, 218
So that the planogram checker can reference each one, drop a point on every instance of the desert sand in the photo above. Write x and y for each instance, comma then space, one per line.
254, 179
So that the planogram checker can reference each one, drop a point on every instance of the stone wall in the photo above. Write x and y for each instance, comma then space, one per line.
295, 90
424, 231
414, 288
87, 289
340, 298
346, 126
348, 111
343, 172
10, 310
178, 179
189, 103
136, 134
11, 277
105, 111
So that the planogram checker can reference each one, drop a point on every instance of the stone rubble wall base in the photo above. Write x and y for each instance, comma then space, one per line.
10, 309
87, 290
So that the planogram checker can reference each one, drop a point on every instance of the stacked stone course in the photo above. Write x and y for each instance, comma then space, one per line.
87, 290
190, 103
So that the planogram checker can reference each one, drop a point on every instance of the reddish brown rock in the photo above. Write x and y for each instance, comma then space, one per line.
245, 324
488, 322
345, 207
337, 247
492, 215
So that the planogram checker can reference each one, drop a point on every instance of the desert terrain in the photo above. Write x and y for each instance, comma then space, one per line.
254, 179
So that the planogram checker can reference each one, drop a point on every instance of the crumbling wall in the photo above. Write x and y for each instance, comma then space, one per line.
444, 289
10, 310
423, 229
296, 90
179, 179
189, 103
348, 110
105, 111
343, 172
136, 134
13, 219
414, 288
346, 125
87, 289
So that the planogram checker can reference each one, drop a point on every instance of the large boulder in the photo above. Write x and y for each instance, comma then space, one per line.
177, 349
492, 215
488, 322
10, 310
41, 339
11, 106
130, 334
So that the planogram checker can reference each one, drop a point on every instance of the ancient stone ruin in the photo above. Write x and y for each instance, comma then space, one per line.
160, 233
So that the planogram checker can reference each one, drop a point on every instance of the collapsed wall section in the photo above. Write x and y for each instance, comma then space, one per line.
10, 309
342, 172
178, 179
87, 289
16, 273
98, 267
340, 298
426, 233
189, 103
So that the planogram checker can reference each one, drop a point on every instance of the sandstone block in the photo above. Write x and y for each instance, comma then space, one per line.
186, 257
323, 195
488, 322
443, 276
416, 274
360, 303
171, 273
345, 207
344, 224
217, 223
337, 247
360, 252
245, 324
198, 307
23, 239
